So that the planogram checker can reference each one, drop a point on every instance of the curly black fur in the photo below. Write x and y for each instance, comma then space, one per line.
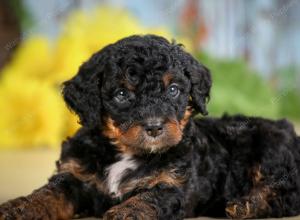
140, 155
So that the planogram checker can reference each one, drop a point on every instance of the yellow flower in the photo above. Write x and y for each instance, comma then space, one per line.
33, 59
32, 114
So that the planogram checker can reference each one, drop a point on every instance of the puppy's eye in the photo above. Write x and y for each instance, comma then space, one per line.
173, 91
121, 95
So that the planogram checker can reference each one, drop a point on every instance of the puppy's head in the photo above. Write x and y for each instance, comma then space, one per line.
139, 92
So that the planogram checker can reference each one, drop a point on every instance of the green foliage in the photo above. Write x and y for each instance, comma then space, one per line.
238, 89
289, 93
290, 105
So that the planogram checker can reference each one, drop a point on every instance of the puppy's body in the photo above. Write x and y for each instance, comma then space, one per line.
141, 155
215, 164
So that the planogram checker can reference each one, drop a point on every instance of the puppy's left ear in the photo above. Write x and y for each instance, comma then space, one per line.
200, 79
82, 93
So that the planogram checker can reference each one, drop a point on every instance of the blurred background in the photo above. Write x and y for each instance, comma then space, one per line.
251, 47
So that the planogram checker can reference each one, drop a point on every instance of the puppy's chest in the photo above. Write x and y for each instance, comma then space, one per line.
116, 172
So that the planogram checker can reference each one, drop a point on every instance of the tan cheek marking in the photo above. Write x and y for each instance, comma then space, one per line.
132, 134
174, 131
186, 117
110, 130
119, 139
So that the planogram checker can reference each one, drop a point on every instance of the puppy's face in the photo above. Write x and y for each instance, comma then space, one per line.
145, 109
138, 92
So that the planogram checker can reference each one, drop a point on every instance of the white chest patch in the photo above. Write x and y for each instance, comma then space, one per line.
116, 171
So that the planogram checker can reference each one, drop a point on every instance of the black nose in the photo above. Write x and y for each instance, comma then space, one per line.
154, 128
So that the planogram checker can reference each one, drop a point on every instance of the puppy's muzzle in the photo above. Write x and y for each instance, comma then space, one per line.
154, 127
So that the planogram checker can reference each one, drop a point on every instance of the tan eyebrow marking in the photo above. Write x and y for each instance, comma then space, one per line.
167, 77
127, 85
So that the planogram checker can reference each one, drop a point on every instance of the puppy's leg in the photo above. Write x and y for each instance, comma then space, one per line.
159, 202
54, 201
263, 198
134, 208
254, 205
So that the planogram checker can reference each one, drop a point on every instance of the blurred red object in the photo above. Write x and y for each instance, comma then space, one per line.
192, 23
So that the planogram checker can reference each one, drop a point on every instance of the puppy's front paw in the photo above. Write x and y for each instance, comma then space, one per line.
131, 210
13, 210
254, 206
123, 214
22, 209
238, 209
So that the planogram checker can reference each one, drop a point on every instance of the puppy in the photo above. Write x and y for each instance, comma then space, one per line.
140, 154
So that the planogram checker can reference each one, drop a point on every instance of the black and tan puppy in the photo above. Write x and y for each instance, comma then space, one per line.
141, 155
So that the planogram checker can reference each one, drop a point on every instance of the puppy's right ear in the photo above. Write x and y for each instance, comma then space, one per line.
82, 93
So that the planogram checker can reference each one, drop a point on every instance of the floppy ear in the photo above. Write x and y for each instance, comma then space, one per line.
82, 93
200, 79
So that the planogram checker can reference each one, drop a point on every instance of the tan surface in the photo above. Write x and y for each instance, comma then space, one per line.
23, 171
